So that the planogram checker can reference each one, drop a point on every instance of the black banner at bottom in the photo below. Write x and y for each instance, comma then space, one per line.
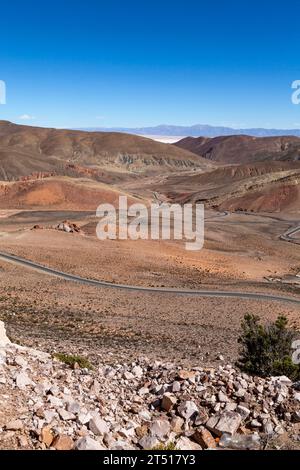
139, 459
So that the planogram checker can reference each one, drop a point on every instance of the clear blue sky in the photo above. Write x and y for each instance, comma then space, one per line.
134, 63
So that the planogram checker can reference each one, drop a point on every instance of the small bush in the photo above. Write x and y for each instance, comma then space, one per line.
71, 360
169, 446
266, 350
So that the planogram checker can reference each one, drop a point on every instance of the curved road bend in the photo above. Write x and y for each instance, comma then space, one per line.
160, 290
288, 235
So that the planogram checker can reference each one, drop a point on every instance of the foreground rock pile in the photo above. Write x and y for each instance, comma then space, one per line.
68, 227
65, 226
45, 404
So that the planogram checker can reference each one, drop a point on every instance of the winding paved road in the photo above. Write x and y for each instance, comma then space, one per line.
162, 290
288, 236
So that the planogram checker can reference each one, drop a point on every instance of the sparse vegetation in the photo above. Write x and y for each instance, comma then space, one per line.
266, 350
72, 360
169, 446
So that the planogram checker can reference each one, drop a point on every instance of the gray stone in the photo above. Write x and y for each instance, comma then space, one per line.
243, 411
87, 443
97, 425
128, 375
187, 409
176, 386
148, 442
84, 417
121, 445
255, 424
268, 427
137, 371
282, 379
184, 443
160, 428
226, 422
49, 416
54, 390
22, 380
230, 406
201, 416
66, 415
222, 397
145, 415
55, 401
240, 392
73, 407
127, 433
297, 396
20, 361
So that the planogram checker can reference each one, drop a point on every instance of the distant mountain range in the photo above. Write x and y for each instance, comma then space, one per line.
198, 130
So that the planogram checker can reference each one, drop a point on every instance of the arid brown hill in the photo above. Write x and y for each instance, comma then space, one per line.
263, 186
243, 148
25, 150
60, 192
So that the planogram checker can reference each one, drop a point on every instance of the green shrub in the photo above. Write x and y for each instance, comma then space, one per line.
71, 360
266, 350
169, 446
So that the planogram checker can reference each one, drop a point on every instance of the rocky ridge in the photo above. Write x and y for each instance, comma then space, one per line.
46, 404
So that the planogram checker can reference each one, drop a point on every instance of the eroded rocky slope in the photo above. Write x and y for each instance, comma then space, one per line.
45, 404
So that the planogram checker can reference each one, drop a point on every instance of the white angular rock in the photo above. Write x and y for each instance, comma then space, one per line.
84, 417
137, 371
73, 407
87, 443
20, 361
297, 396
187, 409
22, 380
227, 422
222, 397
160, 428
50, 415
184, 443
122, 445
97, 425
145, 415
231, 406
176, 386
282, 379
4, 340
149, 442
66, 415
255, 424
128, 375
268, 427
243, 411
